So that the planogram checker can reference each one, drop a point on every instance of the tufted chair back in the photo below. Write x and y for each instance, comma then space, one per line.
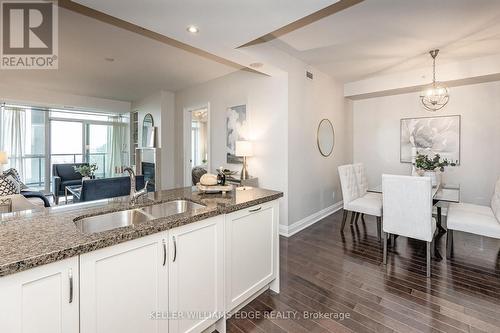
359, 171
348, 183
407, 206
495, 201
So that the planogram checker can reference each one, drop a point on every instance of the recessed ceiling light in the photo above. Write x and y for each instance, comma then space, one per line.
193, 29
256, 65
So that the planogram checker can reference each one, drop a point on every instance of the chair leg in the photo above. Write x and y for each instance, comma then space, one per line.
385, 249
344, 218
363, 218
357, 218
449, 243
379, 228
429, 249
353, 214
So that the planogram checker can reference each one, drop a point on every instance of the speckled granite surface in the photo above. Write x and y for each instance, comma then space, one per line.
30, 239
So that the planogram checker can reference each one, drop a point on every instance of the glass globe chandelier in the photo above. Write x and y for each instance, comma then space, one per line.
435, 96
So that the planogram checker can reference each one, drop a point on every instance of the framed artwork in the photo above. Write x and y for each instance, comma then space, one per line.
431, 135
236, 128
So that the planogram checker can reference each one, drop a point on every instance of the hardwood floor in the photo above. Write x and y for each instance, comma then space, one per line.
329, 274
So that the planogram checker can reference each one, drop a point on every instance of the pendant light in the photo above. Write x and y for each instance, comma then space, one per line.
435, 96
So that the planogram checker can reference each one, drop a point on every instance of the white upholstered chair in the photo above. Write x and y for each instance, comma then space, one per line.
355, 196
408, 210
474, 219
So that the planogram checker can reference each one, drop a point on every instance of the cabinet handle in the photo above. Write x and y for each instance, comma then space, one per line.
164, 252
70, 275
175, 249
255, 210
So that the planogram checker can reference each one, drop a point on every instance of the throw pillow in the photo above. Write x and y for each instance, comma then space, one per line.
13, 172
8, 185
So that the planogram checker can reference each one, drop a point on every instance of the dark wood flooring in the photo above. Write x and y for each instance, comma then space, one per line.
327, 274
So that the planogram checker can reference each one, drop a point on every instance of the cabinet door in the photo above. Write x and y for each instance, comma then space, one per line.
196, 293
124, 287
251, 252
42, 299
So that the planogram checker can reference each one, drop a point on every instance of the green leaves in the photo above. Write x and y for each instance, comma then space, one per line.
423, 162
86, 170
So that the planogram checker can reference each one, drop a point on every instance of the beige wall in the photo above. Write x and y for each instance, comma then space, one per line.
267, 104
313, 182
376, 136
161, 105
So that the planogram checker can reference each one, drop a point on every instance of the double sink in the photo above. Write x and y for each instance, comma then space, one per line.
109, 221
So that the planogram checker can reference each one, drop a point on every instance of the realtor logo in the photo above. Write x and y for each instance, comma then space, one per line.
29, 35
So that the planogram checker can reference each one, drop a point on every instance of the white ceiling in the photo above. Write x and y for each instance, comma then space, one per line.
141, 67
224, 24
386, 36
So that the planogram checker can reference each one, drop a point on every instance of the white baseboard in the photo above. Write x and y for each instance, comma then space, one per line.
290, 230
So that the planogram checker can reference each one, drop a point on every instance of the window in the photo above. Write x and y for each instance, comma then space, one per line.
74, 136
22, 136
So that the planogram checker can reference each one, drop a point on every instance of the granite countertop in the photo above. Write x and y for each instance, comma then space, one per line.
33, 238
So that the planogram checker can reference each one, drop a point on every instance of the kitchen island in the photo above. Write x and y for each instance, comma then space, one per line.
178, 273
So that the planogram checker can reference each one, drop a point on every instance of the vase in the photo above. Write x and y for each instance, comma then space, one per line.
434, 176
85, 178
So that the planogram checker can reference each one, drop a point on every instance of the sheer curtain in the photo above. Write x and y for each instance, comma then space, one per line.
117, 146
12, 136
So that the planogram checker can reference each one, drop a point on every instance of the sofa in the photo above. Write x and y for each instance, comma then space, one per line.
64, 175
96, 189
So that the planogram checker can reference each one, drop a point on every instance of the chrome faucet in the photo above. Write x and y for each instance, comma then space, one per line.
134, 194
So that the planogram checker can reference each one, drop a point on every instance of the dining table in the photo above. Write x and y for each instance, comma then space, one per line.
442, 195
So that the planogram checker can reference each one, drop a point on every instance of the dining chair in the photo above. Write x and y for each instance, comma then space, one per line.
474, 219
356, 199
407, 205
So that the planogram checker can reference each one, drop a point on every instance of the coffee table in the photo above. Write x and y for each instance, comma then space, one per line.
74, 190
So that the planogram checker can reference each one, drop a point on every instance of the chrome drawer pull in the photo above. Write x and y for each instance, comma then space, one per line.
70, 275
175, 249
164, 252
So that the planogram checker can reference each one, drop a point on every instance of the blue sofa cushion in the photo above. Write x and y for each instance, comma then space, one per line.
96, 189
70, 182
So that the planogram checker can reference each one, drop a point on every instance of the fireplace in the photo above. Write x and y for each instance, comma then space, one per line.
148, 170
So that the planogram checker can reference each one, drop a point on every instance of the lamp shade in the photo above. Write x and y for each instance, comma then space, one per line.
244, 148
3, 157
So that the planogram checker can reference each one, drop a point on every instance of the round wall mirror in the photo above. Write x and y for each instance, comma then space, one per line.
148, 131
326, 137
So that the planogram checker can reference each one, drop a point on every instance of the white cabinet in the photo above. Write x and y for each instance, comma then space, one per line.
196, 275
251, 252
42, 299
124, 288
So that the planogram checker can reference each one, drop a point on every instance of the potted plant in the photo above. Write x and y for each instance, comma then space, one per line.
87, 171
429, 166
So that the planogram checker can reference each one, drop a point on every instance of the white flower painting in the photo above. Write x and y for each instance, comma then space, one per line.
236, 129
430, 136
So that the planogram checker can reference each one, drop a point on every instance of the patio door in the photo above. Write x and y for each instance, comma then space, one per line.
66, 142
97, 148
80, 141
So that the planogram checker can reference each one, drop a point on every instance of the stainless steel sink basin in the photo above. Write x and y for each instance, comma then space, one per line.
170, 208
110, 221
130, 217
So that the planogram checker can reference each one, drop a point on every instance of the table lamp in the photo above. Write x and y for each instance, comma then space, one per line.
244, 149
3, 159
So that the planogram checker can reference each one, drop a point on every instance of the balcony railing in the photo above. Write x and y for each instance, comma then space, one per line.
34, 166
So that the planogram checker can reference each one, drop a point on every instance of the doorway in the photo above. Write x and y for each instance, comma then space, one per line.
196, 142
